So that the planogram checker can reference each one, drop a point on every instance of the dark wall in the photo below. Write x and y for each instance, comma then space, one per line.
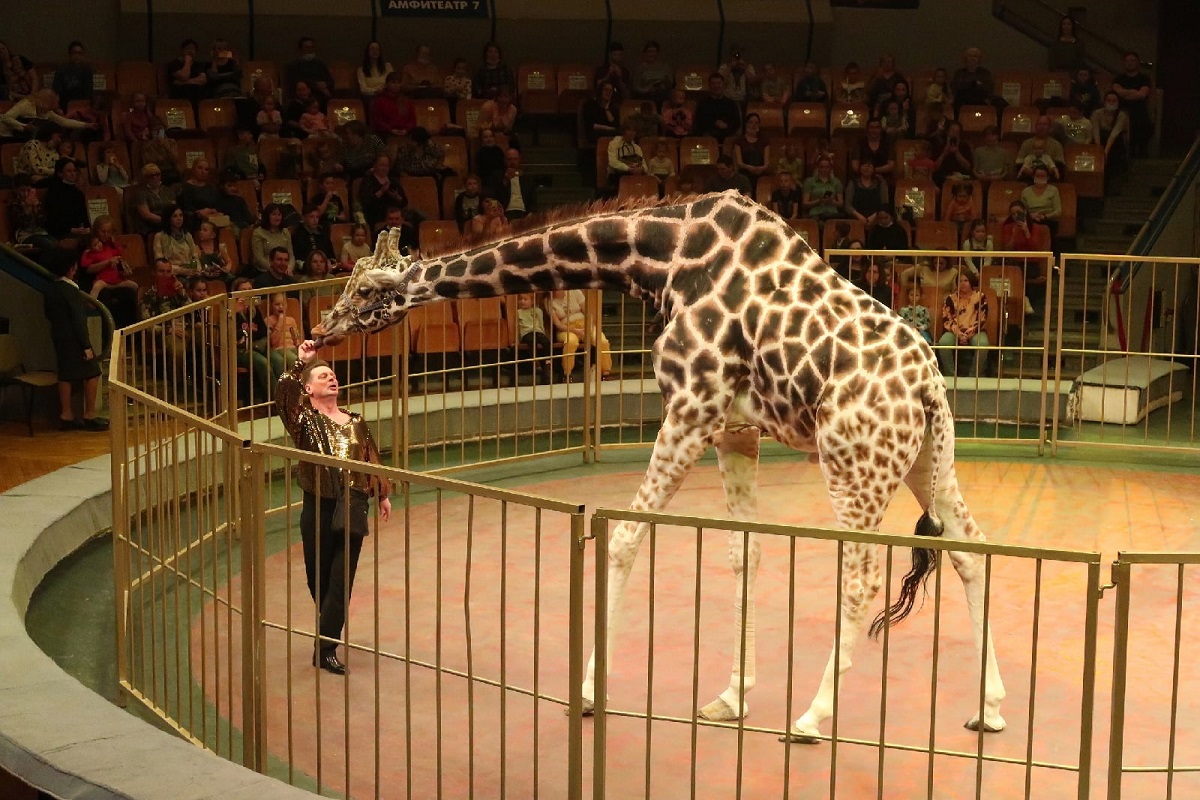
1179, 72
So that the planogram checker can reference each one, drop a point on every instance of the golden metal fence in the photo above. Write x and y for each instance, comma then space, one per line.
215, 623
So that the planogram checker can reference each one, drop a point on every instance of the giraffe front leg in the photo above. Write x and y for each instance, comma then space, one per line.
861, 581
676, 450
737, 453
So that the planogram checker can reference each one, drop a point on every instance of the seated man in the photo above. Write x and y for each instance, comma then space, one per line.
625, 157
886, 234
728, 177
309, 69
964, 316
990, 160
823, 192
1043, 129
279, 271
716, 114
517, 191
1038, 157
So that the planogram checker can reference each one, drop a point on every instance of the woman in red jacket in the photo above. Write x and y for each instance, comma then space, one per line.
392, 113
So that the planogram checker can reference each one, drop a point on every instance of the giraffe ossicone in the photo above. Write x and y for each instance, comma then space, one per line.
761, 337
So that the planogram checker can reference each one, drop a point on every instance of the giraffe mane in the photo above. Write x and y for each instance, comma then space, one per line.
566, 213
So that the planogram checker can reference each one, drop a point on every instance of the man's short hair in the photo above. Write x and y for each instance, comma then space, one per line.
303, 40
307, 372
308, 209
275, 250
725, 161
990, 129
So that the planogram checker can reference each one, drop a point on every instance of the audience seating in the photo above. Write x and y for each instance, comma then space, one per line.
858, 230
248, 190
176, 114
455, 148
345, 78
191, 150
433, 115
698, 150
1017, 122
807, 117
283, 192
227, 239
763, 188
1085, 168
1049, 85
937, 235
601, 157
217, 115
8, 158
632, 187
133, 250
466, 116
452, 187
253, 70
481, 322
104, 200
975, 118
433, 331
693, 79
574, 86
346, 109
269, 148
770, 116
808, 230
138, 76
1000, 194
439, 236
537, 85
422, 193
849, 118
906, 151
921, 194
1013, 86
1068, 223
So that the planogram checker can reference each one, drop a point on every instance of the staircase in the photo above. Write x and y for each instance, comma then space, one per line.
554, 163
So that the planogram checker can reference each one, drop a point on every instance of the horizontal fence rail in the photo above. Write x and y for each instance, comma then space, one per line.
473, 606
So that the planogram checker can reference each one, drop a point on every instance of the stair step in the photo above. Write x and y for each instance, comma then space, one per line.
566, 195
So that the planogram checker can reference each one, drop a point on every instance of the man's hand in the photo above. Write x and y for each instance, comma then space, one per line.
308, 351
385, 509
88, 355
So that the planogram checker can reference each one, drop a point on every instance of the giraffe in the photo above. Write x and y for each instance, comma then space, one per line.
762, 337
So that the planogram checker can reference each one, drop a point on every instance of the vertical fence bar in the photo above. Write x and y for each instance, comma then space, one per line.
119, 471
600, 690
1088, 700
251, 481
1120, 672
576, 661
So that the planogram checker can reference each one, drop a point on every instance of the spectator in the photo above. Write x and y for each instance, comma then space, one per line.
377, 192
811, 87
316, 266
309, 69
771, 88
661, 165
600, 113
518, 192
916, 314
938, 92
421, 77
1019, 234
138, 123
1110, 127
176, 245
1076, 127
879, 91
1133, 88
151, 200
678, 117
1042, 201
241, 158
972, 83
324, 159
468, 203
392, 113
1084, 91
531, 333
727, 177
76, 360
961, 207
1066, 51
978, 240
893, 119
310, 234
420, 155
613, 71
358, 247
875, 148
283, 332
489, 162
74, 80
66, 207
313, 121
110, 171
457, 85
224, 74
990, 161
269, 235
18, 78
488, 226
852, 88
751, 150
1043, 129
846, 266
791, 160
166, 294
232, 204
163, 152
499, 114
42, 107
786, 199
569, 320
271, 122
279, 270
625, 157
716, 114
26, 217
331, 205
373, 72
37, 157
360, 148
964, 315
215, 262
823, 196
872, 284
738, 75
493, 74
866, 195
111, 278
652, 77
953, 155
1037, 157
199, 196
188, 78
886, 234
902, 96
252, 340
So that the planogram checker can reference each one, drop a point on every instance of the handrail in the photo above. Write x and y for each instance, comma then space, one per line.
1148, 235
110, 324
1011, 12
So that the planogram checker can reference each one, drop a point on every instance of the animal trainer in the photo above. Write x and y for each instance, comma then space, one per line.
761, 337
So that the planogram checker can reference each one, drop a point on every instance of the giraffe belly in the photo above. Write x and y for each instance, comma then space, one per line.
791, 427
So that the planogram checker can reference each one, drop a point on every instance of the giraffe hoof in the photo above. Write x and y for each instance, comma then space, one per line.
589, 709
797, 736
719, 711
995, 726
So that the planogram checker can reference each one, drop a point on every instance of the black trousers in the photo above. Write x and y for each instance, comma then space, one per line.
330, 561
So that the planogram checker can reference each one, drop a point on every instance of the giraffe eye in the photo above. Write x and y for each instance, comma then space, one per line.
364, 291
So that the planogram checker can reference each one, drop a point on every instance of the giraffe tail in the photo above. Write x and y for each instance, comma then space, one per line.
924, 560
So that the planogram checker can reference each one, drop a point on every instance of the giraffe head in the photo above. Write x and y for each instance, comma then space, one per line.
379, 293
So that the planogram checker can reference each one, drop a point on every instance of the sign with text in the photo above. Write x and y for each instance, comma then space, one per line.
444, 9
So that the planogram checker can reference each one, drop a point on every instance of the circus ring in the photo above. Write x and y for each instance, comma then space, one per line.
455, 702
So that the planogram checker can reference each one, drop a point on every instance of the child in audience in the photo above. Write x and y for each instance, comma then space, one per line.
458, 83
313, 121
531, 333
791, 161
916, 314
115, 272
852, 89
961, 207
661, 166
895, 123
269, 118
110, 171
786, 199
358, 247
771, 87
938, 92
242, 156
138, 122
469, 203
325, 159
283, 330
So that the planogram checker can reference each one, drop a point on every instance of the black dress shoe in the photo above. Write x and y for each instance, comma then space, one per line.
69, 425
328, 661
95, 424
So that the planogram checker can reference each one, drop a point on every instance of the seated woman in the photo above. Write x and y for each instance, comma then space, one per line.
253, 342
359, 246
866, 194
568, 321
964, 315
493, 74
978, 241
66, 207
37, 110
678, 117
488, 226
786, 199
176, 245
1019, 234
873, 284
600, 113
199, 196
1110, 127
215, 262
163, 152
1042, 200
392, 113
373, 71
489, 161
269, 234
823, 192
751, 150
110, 276
500, 115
